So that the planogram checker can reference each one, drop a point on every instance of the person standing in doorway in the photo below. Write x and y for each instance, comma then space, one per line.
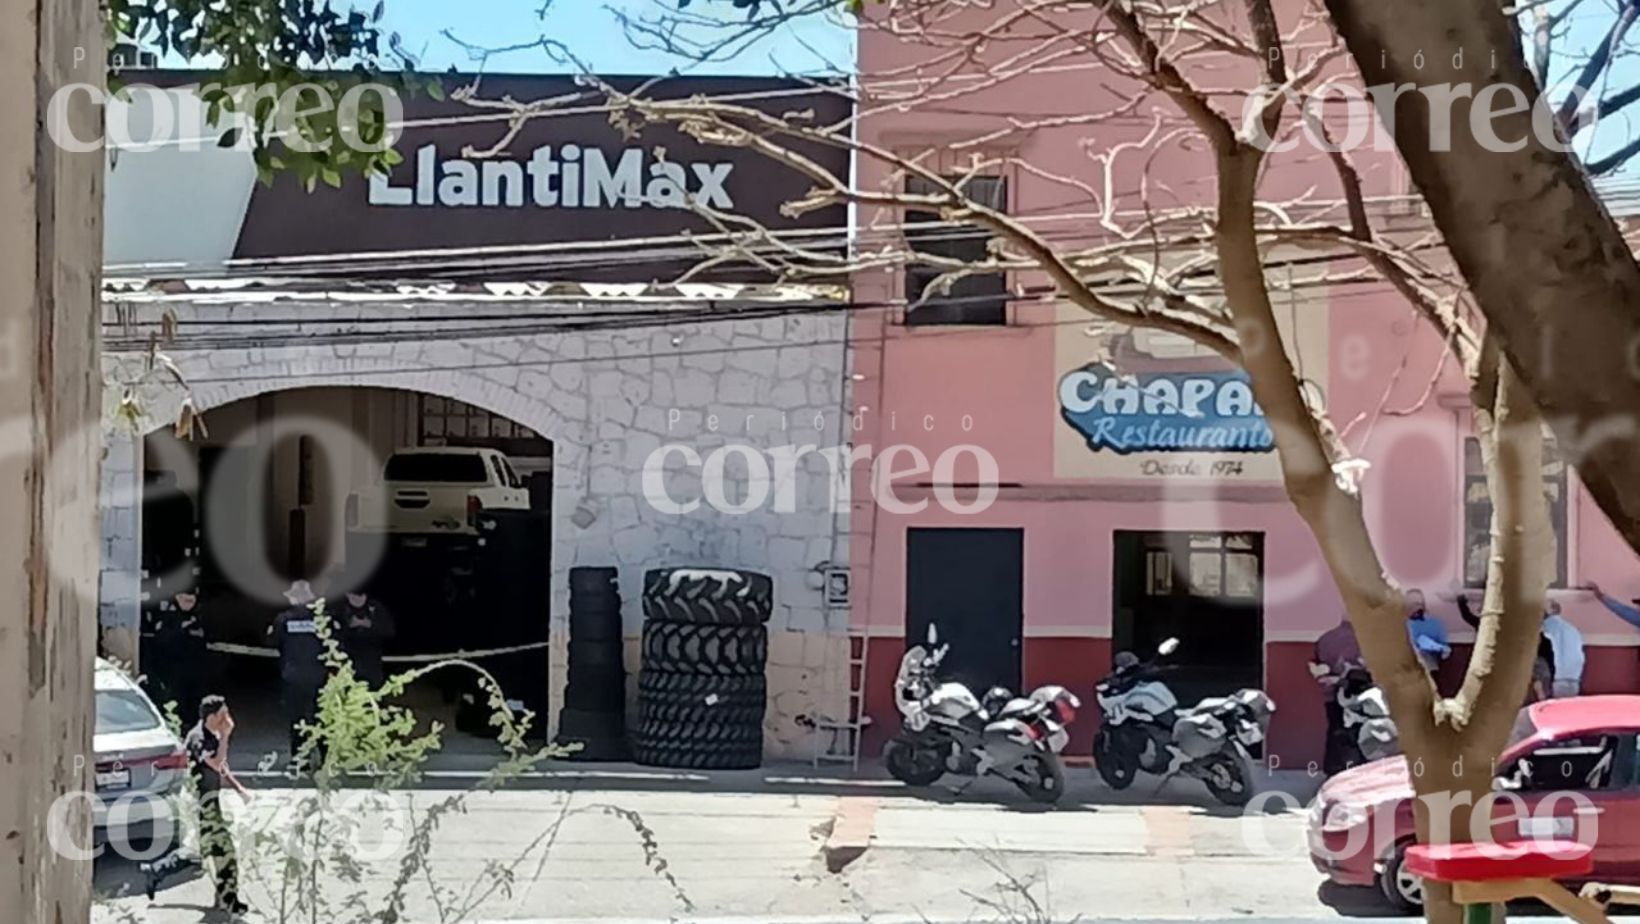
302, 670
207, 750
1336, 651
1566, 643
1428, 636
366, 625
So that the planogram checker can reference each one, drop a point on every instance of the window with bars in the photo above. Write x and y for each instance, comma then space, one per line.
1205, 565
981, 298
1477, 513
448, 422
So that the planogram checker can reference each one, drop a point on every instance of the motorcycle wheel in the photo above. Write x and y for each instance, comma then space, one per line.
1117, 766
912, 765
1227, 779
1041, 777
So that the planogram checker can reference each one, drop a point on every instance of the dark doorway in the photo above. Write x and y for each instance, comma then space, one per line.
970, 583
1206, 589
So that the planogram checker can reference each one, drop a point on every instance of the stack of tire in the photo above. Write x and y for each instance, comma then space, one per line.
702, 690
593, 720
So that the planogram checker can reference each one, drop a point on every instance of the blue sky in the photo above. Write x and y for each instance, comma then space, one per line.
593, 31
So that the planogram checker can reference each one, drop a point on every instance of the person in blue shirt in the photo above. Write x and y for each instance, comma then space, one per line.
1427, 634
1623, 611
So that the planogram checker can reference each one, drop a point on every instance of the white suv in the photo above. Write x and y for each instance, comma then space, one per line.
440, 489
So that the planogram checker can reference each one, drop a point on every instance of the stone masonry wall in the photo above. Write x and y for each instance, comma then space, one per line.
606, 398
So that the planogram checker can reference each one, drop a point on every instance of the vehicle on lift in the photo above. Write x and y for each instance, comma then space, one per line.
946, 729
1144, 729
438, 490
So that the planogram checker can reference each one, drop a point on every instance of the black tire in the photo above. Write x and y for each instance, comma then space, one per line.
912, 765
602, 696
1226, 776
593, 606
739, 651
591, 580
1117, 765
1404, 891
605, 749
708, 596
672, 703
696, 757
699, 734
1041, 777
595, 656
688, 713
581, 723
652, 682
600, 631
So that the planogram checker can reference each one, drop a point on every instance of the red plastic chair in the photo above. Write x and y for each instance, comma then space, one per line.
1485, 874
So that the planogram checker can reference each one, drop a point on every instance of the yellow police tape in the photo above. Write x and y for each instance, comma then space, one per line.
257, 651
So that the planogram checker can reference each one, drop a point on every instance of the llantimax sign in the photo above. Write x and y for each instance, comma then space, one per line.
568, 176
1163, 412
571, 177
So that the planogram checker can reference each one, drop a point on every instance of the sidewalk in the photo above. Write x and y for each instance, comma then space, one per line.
791, 848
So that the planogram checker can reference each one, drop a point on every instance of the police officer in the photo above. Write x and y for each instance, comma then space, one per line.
366, 625
301, 660
174, 652
207, 750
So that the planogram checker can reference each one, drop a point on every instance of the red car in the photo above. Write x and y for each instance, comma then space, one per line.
1573, 763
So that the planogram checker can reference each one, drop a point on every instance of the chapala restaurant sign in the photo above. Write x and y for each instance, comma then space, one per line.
1165, 412
567, 177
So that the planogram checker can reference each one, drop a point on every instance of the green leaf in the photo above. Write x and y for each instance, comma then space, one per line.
229, 138
435, 89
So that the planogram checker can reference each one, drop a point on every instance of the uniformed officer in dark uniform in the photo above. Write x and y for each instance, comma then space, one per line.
207, 749
366, 625
301, 660
174, 653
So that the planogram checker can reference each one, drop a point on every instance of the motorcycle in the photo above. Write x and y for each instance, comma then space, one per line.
1145, 730
1369, 732
946, 729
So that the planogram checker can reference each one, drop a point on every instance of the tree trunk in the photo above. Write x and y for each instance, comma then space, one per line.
1546, 263
1451, 744
50, 272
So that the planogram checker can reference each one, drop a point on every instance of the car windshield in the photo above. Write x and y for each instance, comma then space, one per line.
120, 711
1524, 728
454, 467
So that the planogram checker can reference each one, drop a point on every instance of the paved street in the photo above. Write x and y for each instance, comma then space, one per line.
780, 846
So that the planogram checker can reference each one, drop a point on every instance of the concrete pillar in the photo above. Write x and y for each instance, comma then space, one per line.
50, 276
120, 575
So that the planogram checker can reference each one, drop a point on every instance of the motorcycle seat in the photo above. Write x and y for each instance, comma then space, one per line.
1016, 707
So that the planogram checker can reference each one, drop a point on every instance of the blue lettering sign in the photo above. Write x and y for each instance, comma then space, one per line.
1164, 412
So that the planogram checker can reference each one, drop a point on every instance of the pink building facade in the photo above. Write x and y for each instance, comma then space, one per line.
1091, 537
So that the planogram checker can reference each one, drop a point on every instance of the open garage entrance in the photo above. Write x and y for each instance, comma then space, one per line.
437, 509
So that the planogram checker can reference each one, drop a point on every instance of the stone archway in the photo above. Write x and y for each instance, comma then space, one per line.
611, 399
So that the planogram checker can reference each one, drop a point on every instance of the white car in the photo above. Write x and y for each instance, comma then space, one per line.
439, 490
140, 763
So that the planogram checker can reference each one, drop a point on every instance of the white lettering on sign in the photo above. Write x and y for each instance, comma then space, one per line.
573, 177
